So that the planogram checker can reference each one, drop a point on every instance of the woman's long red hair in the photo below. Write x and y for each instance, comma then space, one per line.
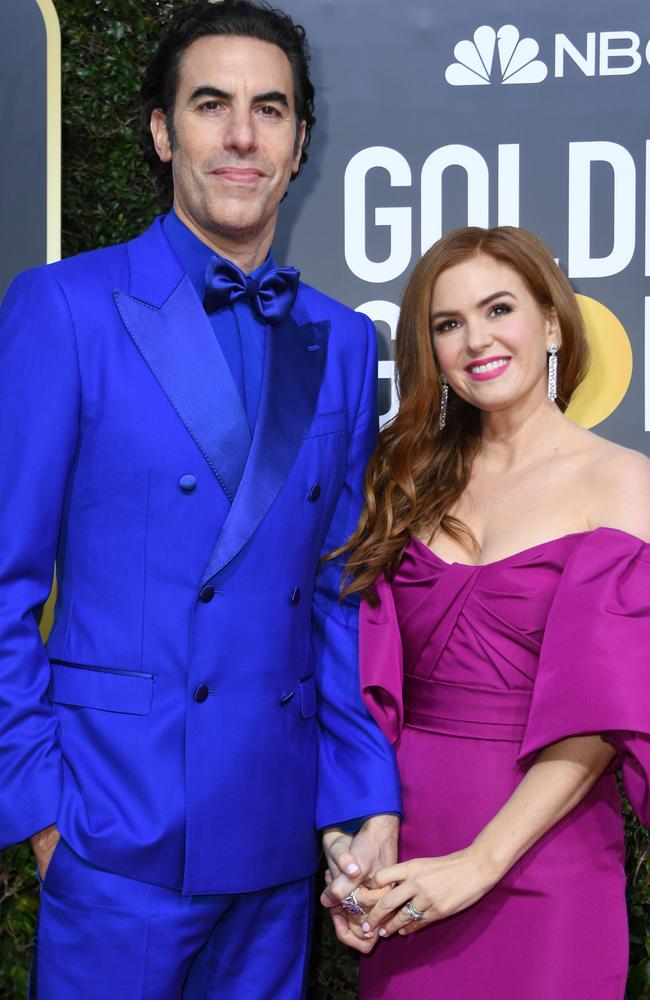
418, 472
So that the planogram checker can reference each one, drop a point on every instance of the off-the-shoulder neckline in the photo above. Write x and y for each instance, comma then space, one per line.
526, 551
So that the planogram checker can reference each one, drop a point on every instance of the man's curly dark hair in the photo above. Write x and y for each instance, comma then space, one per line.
243, 18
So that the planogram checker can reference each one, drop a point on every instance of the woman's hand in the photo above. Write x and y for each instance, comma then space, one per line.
559, 779
347, 926
436, 887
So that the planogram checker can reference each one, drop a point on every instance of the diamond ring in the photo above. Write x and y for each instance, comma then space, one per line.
413, 913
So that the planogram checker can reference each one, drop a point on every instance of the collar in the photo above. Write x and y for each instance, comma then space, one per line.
194, 255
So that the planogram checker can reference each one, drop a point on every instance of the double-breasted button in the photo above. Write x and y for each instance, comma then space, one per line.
294, 596
206, 593
187, 483
314, 493
201, 693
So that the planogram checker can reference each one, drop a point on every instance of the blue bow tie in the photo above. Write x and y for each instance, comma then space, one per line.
272, 297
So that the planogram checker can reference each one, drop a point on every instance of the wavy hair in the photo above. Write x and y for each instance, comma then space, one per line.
418, 472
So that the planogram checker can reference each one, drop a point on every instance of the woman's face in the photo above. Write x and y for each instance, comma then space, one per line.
490, 335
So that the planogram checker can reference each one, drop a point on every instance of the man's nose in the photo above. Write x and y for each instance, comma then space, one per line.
240, 132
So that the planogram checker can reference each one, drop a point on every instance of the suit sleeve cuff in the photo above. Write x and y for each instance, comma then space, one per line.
352, 826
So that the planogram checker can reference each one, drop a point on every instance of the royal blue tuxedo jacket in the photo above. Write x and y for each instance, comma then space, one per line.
196, 714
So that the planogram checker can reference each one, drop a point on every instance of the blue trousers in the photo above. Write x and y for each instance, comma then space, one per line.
106, 937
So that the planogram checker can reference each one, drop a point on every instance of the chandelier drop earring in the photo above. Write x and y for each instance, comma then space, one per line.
444, 396
552, 372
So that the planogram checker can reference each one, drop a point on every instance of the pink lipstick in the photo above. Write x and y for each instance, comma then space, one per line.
487, 368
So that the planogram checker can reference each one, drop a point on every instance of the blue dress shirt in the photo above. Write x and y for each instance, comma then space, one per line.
240, 331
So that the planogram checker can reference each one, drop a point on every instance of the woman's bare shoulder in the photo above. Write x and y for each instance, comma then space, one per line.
618, 486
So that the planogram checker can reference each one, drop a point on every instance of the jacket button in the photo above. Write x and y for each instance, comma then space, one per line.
201, 693
206, 594
187, 483
294, 596
314, 493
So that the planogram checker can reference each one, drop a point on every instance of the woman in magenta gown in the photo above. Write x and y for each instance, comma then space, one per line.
504, 563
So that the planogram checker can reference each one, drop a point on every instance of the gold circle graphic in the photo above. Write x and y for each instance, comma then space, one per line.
610, 370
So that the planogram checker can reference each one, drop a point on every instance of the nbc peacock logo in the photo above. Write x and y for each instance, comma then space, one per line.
475, 62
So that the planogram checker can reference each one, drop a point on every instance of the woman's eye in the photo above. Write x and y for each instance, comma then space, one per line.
500, 309
445, 325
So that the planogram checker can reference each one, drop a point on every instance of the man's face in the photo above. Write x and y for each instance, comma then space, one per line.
235, 141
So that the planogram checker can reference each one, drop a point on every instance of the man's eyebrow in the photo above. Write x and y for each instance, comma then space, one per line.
207, 91
483, 302
271, 96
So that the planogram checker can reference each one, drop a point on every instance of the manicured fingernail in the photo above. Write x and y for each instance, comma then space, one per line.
352, 870
382, 932
401, 931
365, 926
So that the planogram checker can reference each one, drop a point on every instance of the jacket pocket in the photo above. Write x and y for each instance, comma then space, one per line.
83, 686
307, 697
328, 423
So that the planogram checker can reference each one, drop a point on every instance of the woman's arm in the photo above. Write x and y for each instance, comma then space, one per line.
438, 887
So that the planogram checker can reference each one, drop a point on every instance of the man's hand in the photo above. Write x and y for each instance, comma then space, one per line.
352, 862
43, 845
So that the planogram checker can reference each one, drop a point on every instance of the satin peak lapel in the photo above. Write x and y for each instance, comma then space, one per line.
293, 372
179, 346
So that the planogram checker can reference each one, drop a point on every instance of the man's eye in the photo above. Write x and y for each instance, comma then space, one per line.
211, 106
268, 111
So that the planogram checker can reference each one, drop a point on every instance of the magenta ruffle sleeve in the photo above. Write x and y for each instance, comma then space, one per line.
594, 668
381, 662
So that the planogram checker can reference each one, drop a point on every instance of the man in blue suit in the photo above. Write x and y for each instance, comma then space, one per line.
184, 428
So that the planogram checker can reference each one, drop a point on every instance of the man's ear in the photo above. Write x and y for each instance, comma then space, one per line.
300, 138
160, 134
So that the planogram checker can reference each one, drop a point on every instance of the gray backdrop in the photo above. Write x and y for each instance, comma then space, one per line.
23, 118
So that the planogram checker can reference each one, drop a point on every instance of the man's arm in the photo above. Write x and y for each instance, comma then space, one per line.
39, 406
357, 771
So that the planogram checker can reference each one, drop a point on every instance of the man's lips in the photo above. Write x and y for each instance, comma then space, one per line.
487, 368
239, 175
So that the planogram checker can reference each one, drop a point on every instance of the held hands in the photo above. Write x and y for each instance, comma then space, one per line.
435, 888
43, 845
351, 863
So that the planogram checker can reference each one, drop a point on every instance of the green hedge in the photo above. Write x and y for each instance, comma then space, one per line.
107, 197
